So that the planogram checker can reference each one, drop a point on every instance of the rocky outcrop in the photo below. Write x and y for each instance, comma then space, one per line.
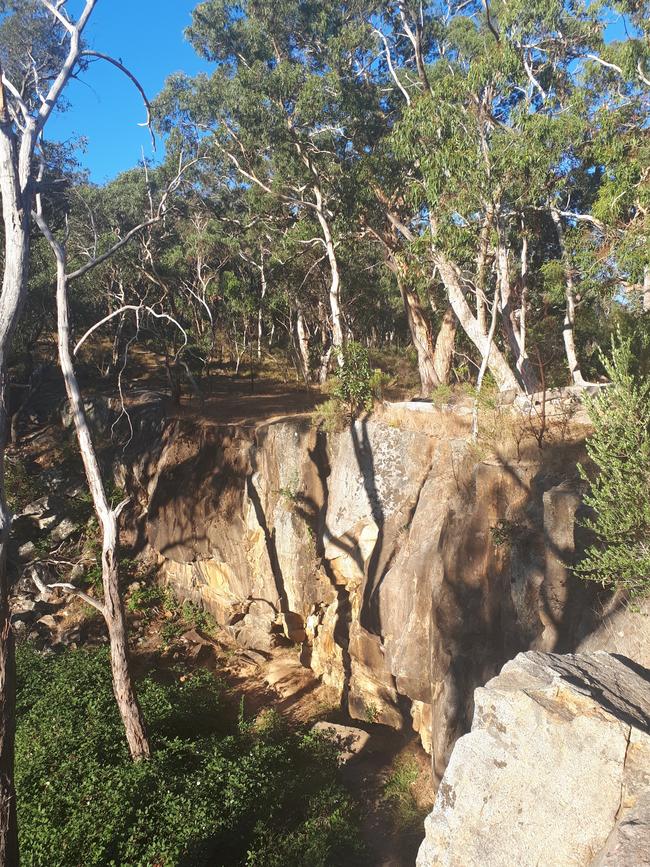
407, 567
555, 771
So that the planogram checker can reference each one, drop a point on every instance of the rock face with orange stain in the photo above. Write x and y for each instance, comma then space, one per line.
555, 771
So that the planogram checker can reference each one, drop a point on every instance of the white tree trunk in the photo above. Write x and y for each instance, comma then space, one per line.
510, 318
15, 191
113, 608
568, 329
259, 312
335, 282
495, 360
484, 361
445, 341
420, 335
303, 344
481, 270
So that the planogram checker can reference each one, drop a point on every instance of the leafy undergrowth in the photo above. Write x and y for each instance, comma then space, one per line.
255, 793
407, 813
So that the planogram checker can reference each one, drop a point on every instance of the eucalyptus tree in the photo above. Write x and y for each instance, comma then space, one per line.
41, 50
497, 124
287, 99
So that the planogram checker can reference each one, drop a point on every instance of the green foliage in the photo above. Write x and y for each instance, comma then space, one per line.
151, 599
505, 532
619, 494
357, 384
398, 793
211, 794
332, 415
145, 598
22, 486
371, 712
291, 490
441, 395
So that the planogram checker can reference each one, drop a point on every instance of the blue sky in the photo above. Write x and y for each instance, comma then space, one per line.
147, 36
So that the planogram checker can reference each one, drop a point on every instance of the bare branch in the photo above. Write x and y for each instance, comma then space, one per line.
391, 68
59, 83
46, 590
69, 26
136, 308
162, 208
16, 95
119, 65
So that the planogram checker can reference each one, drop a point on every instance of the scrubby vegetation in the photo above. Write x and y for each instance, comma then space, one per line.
619, 484
246, 792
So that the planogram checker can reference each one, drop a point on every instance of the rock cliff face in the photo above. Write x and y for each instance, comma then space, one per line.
408, 569
555, 771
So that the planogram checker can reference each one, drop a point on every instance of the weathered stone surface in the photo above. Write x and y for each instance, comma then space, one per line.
350, 741
254, 629
63, 530
629, 842
376, 550
558, 753
289, 677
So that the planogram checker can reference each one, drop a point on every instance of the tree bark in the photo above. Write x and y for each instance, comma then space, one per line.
481, 270
496, 362
420, 335
259, 311
15, 190
484, 362
445, 341
568, 328
114, 615
510, 318
335, 283
646, 289
303, 345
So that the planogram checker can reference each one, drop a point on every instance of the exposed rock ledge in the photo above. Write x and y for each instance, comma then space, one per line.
555, 771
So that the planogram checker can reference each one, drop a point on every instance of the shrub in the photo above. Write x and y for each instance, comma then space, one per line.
332, 415
398, 793
357, 383
619, 494
211, 794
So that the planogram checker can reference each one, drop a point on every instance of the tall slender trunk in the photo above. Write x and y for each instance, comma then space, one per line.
114, 615
484, 361
646, 289
481, 270
259, 311
523, 309
303, 344
510, 319
335, 282
420, 335
568, 328
445, 341
15, 191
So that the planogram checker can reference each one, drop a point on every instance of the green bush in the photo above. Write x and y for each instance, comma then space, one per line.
212, 794
357, 383
619, 494
398, 793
